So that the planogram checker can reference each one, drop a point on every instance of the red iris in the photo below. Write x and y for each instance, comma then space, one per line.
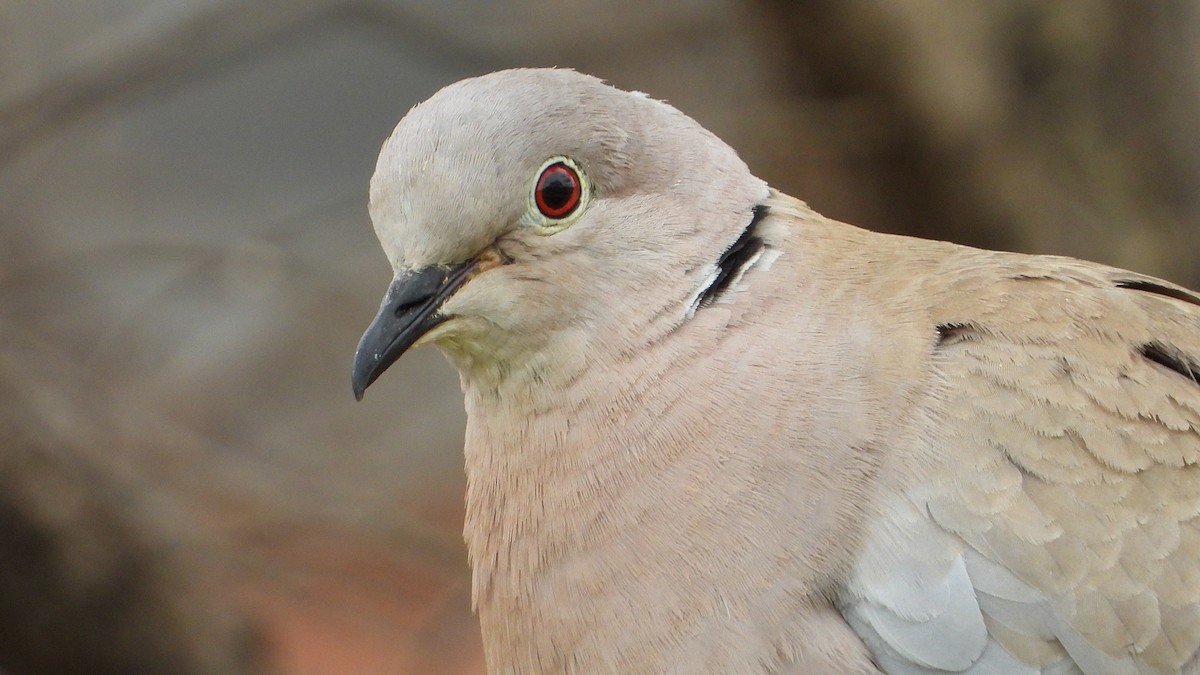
558, 191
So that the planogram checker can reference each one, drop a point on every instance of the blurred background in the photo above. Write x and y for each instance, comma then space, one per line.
186, 263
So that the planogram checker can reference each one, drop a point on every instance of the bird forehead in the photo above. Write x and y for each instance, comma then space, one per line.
435, 195
442, 212
509, 112
459, 165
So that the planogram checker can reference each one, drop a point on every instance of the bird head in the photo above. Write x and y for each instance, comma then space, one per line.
535, 211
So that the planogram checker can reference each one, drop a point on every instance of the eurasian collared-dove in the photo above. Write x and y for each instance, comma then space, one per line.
710, 430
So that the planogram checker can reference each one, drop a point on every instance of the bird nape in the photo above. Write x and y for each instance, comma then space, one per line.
710, 430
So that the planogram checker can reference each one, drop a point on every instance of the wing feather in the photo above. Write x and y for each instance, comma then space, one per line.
1094, 428
1062, 469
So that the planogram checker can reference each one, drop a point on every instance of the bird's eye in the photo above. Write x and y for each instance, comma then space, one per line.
558, 190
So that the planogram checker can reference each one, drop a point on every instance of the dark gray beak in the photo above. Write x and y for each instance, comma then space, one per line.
409, 310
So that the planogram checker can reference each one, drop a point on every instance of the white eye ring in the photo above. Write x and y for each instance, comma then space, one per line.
559, 193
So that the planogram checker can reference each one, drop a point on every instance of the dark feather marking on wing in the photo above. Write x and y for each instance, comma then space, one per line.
1171, 357
953, 333
1158, 289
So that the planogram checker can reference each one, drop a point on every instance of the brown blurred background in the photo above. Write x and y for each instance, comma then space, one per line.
186, 484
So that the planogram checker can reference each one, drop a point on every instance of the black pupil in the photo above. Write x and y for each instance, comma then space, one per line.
557, 189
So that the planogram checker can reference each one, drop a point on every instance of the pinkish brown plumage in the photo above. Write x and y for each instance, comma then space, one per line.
710, 430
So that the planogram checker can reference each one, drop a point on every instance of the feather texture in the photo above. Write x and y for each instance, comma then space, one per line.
830, 451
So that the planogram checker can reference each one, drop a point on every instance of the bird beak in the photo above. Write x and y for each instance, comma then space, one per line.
409, 310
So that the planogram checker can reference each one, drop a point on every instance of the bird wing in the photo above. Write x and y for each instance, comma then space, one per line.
1049, 523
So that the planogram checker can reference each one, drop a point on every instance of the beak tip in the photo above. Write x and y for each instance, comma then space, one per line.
360, 379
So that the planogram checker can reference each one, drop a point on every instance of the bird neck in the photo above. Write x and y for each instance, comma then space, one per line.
554, 485
649, 534
543, 455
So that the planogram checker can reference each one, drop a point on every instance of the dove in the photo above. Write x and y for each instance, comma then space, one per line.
712, 431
